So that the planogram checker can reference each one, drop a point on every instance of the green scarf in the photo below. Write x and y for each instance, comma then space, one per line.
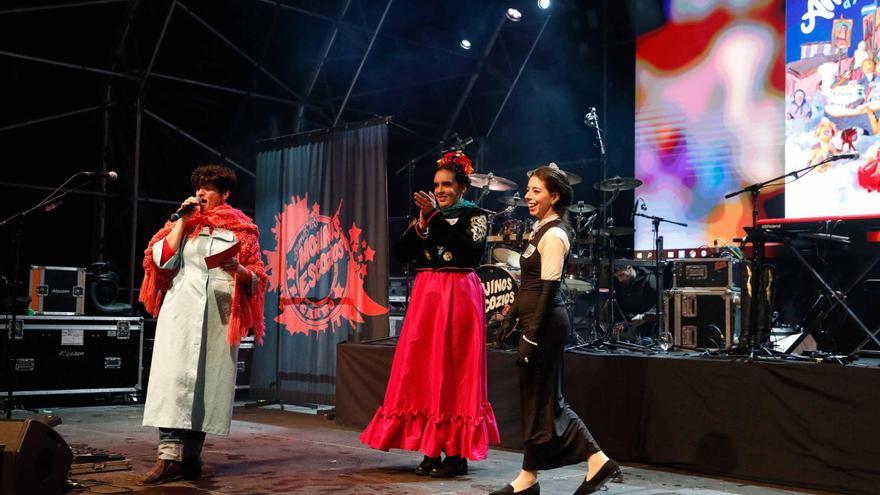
456, 209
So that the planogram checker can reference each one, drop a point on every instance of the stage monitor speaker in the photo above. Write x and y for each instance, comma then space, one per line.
35, 459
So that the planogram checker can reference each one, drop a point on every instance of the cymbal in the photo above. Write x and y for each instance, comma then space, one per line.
492, 182
572, 177
581, 207
511, 201
613, 231
617, 184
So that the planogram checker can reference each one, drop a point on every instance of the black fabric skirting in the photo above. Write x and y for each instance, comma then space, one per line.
797, 424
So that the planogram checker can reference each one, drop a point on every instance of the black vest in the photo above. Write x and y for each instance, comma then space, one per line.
530, 267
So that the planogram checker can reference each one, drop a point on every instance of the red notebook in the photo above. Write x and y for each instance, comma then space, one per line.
214, 260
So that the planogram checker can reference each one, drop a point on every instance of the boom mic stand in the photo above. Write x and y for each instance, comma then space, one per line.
664, 338
17, 221
758, 239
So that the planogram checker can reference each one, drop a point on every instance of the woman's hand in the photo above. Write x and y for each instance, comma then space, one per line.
232, 266
425, 202
192, 200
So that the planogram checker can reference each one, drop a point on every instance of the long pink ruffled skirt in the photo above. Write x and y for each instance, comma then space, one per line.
436, 400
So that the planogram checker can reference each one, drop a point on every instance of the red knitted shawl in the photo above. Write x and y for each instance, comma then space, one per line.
247, 308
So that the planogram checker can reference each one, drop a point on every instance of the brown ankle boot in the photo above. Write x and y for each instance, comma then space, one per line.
163, 472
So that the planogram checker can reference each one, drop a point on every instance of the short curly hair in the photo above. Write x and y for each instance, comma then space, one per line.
218, 177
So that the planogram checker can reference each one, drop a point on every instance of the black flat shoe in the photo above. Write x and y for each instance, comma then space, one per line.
428, 463
453, 465
508, 490
608, 470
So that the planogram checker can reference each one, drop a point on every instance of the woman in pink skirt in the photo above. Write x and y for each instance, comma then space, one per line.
436, 400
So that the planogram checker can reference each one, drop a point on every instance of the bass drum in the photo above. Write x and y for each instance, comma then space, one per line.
500, 286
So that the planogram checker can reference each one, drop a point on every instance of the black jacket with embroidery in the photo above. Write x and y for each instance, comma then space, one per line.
451, 242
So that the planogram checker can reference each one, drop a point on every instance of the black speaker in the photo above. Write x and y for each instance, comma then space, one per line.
35, 459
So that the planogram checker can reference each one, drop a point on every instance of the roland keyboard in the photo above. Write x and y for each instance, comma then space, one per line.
853, 232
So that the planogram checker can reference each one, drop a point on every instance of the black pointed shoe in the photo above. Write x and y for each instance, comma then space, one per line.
508, 490
428, 463
453, 465
608, 470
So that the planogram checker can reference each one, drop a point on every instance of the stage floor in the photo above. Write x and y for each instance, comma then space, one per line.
271, 452
798, 424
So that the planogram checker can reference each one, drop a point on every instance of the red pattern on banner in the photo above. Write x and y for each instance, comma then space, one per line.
309, 248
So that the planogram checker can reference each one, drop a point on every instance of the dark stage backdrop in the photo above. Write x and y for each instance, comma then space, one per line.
322, 211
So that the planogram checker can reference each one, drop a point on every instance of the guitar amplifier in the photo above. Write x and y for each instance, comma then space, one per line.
703, 273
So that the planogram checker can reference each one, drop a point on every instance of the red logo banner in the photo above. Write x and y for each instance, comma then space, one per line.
319, 270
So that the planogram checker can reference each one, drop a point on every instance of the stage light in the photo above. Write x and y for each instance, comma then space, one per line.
514, 15
465, 44
544, 4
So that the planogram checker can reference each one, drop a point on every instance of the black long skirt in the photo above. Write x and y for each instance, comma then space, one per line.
554, 435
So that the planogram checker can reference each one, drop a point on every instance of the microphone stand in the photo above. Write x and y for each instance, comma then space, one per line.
410, 168
756, 287
17, 221
663, 335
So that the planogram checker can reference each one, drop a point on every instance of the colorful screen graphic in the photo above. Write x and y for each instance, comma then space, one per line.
709, 98
832, 91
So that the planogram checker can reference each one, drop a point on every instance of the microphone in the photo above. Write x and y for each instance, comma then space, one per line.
591, 118
456, 143
111, 175
183, 210
632, 215
844, 156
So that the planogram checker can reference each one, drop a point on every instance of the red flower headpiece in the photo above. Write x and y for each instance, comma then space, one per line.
456, 158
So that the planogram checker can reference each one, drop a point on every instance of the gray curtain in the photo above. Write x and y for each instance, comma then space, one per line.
323, 215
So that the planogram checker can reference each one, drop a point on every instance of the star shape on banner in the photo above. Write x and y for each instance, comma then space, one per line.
354, 233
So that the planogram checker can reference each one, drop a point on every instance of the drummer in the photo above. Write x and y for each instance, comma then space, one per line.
636, 294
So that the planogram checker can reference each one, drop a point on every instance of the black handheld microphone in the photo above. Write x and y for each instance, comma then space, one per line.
845, 156
183, 210
111, 175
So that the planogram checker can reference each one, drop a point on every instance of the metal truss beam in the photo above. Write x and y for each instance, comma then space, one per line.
322, 59
357, 73
54, 117
97, 194
226, 89
200, 143
66, 64
164, 30
473, 79
355, 28
386, 89
518, 74
23, 10
242, 53
157, 75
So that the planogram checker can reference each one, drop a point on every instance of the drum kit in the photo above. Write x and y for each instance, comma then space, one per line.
500, 271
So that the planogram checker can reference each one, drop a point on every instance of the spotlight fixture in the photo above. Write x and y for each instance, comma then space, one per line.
466, 44
544, 4
514, 15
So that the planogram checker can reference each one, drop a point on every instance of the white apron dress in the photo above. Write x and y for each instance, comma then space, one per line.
192, 377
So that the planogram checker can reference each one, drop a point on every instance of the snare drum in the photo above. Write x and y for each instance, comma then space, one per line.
500, 286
